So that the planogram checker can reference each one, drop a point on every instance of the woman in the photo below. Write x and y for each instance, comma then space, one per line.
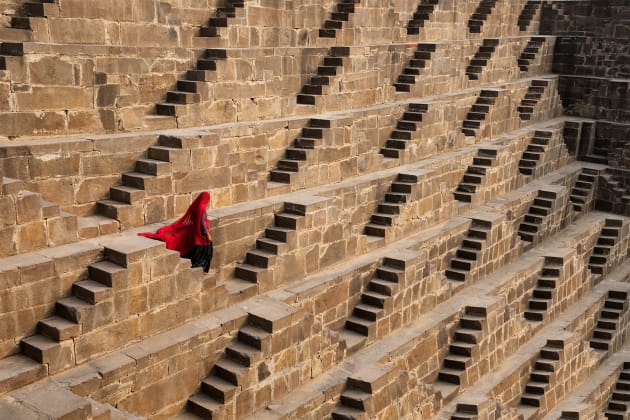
190, 234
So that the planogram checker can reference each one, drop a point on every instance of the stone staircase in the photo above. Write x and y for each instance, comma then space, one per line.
318, 84
194, 88
619, 402
529, 53
466, 255
544, 292
420, 16
238, 369
476, 21
583, 190
414, 67
224, 16
610, 235
153, 176
299, 154
481, 58
608, 323
531, 230
377, 300
401, 192
406, 126
475, 174
463, 345
527, 14
478, 112
533, 154
533, 95
343, 10
278, 240
91, 306
543, 373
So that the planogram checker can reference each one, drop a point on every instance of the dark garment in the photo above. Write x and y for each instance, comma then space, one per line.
200, 256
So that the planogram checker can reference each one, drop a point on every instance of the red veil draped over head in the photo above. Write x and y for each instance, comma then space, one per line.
185, 232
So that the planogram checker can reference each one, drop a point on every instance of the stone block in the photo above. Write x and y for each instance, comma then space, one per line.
31, 236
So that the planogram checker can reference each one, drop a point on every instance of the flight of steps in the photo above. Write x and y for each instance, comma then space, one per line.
535, 91
540, 209
478, 112
534, 152
529, 53
476, 21
342, 12
466, 255
610, 234
474, 175
237, 370
615, 306
619, 402
377, 299
544, 292
222, 18
542, 373
421, 15
583, 189
278, 239
527, 14
89, 307
318, 84
481, 58
406, 126
194, 87
388, 210
460, 351
414, 67
297, 155
152, 176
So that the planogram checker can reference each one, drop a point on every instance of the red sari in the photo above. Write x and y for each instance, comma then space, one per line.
186, 232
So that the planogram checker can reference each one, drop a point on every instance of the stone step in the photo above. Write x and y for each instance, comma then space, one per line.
255, 337
40, 348
260, 258
219, 389
530, 399
384, 287
467, 335
243, 353
449, 375
230, 371
376, 299
360, 325
373, 229
109, 274
127, 195
92, 291
58, 328
205, 406
456, 362
456, 275
368, 312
